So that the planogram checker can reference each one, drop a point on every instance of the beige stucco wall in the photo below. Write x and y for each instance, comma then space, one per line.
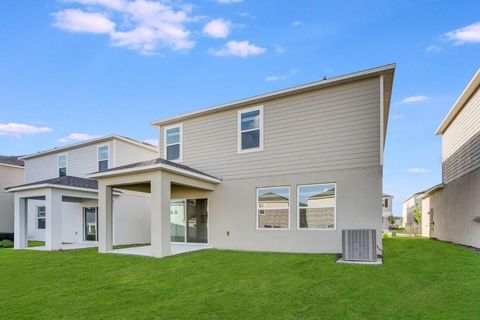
9, 176
455, 209
233, 210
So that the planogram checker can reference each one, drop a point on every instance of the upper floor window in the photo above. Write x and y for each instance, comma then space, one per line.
173, 143
102, 158
385, 203
316, 206
250, 129
62, 165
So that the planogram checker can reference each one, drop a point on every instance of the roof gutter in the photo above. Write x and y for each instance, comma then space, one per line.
157, 166
48, 185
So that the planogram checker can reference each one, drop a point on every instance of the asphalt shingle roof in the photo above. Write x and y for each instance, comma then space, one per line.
11, 160
68, 181
158, 161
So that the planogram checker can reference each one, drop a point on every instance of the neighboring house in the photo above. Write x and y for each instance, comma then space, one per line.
284, 171
454, 205
57, 203
11, 173
387, 211
408, 206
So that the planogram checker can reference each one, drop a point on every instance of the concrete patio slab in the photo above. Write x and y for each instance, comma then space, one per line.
146, 250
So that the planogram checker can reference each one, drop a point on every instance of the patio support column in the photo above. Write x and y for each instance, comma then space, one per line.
20, 222
105, 218
160, 215
53, 219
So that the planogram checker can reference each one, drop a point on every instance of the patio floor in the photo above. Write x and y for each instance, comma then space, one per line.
66, 246
175, 249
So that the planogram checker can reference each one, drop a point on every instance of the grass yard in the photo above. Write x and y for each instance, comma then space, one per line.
420, 279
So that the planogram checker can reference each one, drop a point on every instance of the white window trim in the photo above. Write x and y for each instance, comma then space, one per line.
44, 218
180, 126
257, 209
239, 130
108, 155
66, 163
334, 208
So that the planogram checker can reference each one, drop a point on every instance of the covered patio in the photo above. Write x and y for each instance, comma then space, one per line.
61, 201
165, 181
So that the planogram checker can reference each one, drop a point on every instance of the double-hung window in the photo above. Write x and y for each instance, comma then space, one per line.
273, 208
173, 143
102, 158
62, 165
40, 217
250, 129
316, 206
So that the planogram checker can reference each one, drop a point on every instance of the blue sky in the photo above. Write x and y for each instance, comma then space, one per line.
73, 69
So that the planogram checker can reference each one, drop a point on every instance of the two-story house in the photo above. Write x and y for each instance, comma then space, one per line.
452, 209
57, 203
387, 210
408, 208
11, 173
283, 171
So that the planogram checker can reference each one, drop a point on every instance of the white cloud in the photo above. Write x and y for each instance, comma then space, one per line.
77, 137
417, 170
296, 23
142, 25
433, 48
20, 129
228, 1
238, 48
153, 142
468, 34
413, 99
396, 116
283, 76
217, 28
80, 21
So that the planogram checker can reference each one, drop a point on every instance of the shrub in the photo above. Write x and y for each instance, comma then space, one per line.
6, 244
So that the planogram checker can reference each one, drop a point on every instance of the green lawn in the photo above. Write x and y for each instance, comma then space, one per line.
420, 279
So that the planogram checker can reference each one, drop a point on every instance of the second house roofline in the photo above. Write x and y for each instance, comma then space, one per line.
367, 73
88, 142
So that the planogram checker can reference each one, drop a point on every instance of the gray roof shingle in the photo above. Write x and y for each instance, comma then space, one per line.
158, 161
68, 181
11, 160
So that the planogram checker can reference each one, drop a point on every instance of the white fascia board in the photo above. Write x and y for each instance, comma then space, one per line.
11, 165
158, 166
50, 185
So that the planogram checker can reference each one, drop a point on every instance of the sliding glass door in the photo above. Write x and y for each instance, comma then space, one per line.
189, 221
177, 221
90, 223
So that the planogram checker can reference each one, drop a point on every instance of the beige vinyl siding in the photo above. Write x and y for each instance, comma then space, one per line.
126, 153
41, 168
327, 129
461, 141
83, 160
10, 176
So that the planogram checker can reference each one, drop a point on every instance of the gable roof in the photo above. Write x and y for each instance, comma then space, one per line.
469, 90
158, 163
65, 181
386, 70
11, 161
89, 142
